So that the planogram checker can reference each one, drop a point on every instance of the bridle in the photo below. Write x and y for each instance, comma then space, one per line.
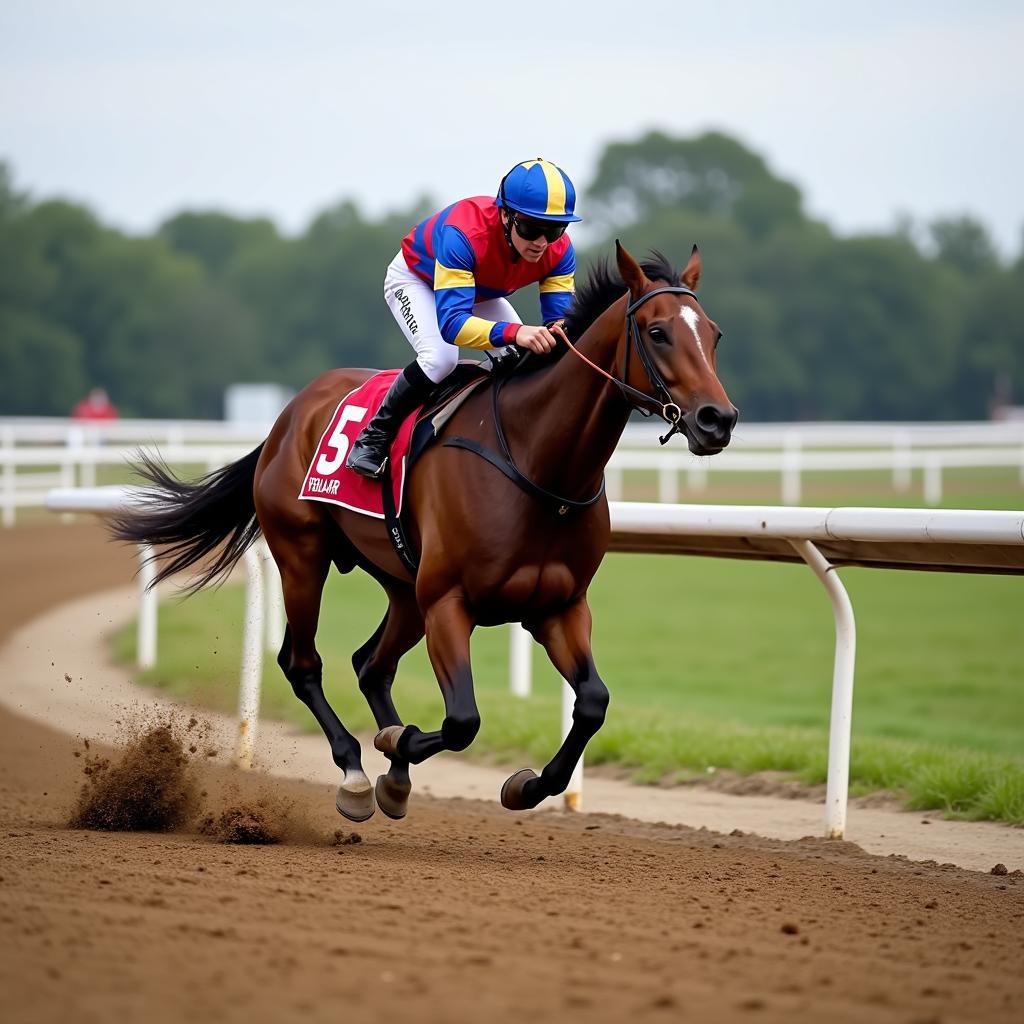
644, 403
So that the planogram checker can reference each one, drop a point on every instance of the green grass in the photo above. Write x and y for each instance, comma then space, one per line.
710, 663
997, 487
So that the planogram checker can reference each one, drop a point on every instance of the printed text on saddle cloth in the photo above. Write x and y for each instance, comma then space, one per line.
327, 478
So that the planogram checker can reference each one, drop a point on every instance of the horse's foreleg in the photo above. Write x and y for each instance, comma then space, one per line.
566, 638
376, 663
448, 628
303, 569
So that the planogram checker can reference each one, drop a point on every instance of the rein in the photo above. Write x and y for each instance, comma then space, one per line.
645, 404
641, 401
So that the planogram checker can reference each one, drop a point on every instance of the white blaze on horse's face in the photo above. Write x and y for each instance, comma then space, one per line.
691, 317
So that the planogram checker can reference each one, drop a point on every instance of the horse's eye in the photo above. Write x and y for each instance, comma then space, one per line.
718, 339
658, 335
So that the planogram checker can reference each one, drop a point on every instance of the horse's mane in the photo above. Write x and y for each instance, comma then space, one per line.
601, 288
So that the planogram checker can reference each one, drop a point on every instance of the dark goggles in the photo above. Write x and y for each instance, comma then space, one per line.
530, 230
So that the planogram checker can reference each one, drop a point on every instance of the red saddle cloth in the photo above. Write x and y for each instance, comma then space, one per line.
328, 479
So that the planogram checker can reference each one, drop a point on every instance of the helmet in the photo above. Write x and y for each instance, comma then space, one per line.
537, 188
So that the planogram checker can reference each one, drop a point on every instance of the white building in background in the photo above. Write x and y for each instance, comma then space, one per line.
255, 404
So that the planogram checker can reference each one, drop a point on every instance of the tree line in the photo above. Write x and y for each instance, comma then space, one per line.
923, 322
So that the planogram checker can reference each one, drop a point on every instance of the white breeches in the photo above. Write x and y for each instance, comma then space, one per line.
411, 301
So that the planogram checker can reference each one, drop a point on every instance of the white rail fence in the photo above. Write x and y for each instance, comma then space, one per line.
952, 540
37, 455
640, 433
27, 475
40, 453
823, 434
794, 463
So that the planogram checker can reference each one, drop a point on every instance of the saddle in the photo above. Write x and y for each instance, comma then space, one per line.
329, 480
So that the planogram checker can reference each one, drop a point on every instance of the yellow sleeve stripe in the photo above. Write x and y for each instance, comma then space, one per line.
559, 283
475, 333
446, 277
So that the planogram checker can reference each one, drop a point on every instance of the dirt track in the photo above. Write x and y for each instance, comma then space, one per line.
463, 912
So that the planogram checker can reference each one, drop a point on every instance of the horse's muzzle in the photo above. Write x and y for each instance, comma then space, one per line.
709, 427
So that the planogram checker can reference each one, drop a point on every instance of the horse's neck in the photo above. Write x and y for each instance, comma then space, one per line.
565, 422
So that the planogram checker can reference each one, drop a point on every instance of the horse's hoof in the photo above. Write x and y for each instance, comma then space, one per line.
355, 797
386, 741
392, 797
512, 791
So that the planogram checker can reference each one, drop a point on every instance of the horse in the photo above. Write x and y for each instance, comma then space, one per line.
517, 545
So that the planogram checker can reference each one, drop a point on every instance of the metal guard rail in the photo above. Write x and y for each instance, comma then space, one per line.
823, 538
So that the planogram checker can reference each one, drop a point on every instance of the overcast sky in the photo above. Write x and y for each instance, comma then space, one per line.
142, 109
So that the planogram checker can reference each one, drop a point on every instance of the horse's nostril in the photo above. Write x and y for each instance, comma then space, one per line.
707, 418
715, 421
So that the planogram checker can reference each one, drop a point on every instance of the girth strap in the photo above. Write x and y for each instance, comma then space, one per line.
393, 522
506, 464
560, 505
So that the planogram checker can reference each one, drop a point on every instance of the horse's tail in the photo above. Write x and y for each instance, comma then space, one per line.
188, 521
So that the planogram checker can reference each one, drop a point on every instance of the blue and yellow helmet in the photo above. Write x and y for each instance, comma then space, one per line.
537, 188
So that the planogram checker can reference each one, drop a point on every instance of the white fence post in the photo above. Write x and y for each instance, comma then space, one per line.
67, 479
274, 606
613, 483
87, 467
841, 725
668, 485
72, 454
791, 453
520, 660
697, 475
932, 480
145, 642
252, 660
74, 448
7, 447
901, 463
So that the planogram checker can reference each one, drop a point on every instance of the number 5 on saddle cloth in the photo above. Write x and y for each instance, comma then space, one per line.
328, 479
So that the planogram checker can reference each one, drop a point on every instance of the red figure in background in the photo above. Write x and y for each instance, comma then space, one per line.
95, 406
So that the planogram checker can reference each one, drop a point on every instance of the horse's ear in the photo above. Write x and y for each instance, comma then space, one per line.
691, 275
633, 276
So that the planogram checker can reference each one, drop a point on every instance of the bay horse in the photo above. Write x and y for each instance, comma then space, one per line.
494, 547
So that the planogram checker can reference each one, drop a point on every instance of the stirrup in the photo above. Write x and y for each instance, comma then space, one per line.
358, 463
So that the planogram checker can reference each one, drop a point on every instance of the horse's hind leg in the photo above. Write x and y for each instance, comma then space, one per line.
304, 564
566, 638
376, 663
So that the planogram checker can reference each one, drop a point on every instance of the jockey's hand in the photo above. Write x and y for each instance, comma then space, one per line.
536, 339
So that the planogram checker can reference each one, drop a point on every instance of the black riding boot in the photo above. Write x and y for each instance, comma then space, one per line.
410, 388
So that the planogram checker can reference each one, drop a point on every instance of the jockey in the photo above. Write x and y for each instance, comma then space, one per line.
447, 288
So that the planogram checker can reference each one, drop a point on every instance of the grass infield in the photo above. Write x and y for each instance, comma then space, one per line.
712, 664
